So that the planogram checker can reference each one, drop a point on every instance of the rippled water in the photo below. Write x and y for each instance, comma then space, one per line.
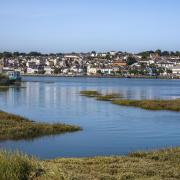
107, 129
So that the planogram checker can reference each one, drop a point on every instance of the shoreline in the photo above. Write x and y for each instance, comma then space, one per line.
100, 76
157, 164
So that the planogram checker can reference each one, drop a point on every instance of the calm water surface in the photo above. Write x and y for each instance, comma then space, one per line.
107, 129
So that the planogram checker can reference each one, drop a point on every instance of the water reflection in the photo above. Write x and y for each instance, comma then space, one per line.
108, 129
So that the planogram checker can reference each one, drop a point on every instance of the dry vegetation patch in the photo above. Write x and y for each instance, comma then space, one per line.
163, 164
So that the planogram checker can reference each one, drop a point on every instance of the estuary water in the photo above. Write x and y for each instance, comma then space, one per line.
107, 129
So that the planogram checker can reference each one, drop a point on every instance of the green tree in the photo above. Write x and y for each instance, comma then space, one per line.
16, 54
158, 51
99, 72
108, 56
177, 53
145, 54
33, 53
133, 72
131, 60
169, 71
1, 55
172, 53
165, 53
7, 54
57, 71
93, 52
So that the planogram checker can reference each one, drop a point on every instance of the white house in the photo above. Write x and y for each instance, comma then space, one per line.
48, 70
107, 70
65, 70
112, 53
91, 70
165, 64
31, 70
93, 54
176, 70
103, 54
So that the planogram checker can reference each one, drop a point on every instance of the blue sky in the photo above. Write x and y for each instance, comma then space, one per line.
86, 25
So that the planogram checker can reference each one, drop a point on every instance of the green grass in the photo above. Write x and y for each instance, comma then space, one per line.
90, 93
99, 96
172, 105
16, 127
16, 166
155, 165
108, 97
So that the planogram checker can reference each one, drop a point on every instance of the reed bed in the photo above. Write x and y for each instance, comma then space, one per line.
114, 98
16, 127
161, 164
171, 105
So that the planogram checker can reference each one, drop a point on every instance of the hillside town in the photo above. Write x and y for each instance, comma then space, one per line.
107, 64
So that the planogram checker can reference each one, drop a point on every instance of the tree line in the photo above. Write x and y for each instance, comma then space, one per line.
159, 52
144, 54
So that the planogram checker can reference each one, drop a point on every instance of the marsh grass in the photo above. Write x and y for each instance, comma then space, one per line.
161, 164
16, 127
108, 97
172, 105
16, 166
99, 96
90, 93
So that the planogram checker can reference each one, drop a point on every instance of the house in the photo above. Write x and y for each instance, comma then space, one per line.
116, 69
48, 70
102, 54
65, 70
107, 71
112, 53
31, 70
74, 69
49, 63
72, 58
93, 54
175, 70
119, 63
165, 64
21, 70
91, 70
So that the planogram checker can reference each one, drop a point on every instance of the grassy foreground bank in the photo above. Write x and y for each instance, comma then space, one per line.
13, 127
171, 105
162, 164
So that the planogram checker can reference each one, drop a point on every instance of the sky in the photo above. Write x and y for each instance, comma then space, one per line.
54, 26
